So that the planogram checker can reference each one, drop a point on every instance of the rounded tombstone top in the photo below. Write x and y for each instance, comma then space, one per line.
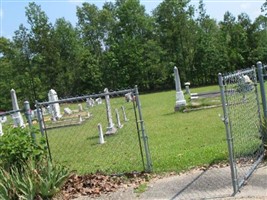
187, 83
52, 91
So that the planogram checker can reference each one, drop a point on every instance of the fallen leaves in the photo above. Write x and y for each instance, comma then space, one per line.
94, 185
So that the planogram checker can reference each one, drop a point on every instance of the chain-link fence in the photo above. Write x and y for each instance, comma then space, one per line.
243, 123
11, 119
262, 74
101, 132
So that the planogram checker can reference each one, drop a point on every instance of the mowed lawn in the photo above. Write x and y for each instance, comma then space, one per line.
178, 141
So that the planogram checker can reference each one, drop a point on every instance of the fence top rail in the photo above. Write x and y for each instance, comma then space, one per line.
238, 73
84, 97
11, 112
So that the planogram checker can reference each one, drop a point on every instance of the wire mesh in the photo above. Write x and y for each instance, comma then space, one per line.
73, 127
244, 120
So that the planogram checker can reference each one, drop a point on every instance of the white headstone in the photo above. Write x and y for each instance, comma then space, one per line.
100, 132
180, 100
98, 101
80, 107
54, 108
18, 120
90, 102
67, 111
124, 114
111, 128
80, 118
118, 118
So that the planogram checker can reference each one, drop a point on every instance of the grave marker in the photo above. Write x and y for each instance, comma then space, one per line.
187, 90
18, 120
90, 102
98, 101
124, 114
67, 111
80, 107
100, 132
118, 118
54, 108
180, 100
111, 127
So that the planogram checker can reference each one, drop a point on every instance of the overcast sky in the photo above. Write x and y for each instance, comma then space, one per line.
12, 12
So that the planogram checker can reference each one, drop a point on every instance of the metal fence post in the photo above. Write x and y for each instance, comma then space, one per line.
144, 136
263, 95
42, 127
27, 111
40, 118
229, 136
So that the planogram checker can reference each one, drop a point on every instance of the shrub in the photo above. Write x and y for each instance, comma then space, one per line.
25, 170
17, 147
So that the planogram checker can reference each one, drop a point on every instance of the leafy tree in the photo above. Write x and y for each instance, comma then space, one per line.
258, 40
67, 48
208, 51
92, 35
176, 29
235, 38
6, 74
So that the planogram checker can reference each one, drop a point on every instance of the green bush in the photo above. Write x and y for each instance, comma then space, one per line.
17, 147
25, 169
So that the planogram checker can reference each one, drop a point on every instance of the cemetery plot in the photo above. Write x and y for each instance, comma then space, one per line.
203, 100
82, 148
69, 118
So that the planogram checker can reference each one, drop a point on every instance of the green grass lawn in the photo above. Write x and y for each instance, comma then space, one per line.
178, 141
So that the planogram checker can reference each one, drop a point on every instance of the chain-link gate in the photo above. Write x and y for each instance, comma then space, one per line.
242, 122
101, 132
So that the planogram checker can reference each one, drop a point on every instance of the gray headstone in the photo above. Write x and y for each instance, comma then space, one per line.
187, 90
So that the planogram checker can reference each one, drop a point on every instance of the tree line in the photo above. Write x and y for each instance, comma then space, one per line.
120, 45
